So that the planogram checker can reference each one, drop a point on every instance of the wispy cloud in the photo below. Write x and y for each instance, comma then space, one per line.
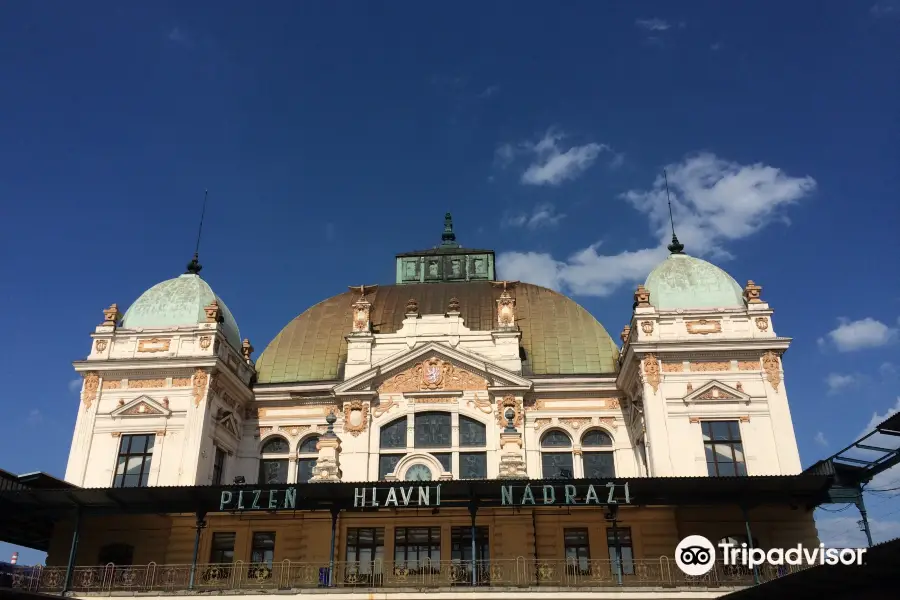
653, 24
837, 382
177, 35
715, 202
716, 46
886, 8
34, 417
550, 162
820, 439
75, 386
543, 215
850, 336
489, 91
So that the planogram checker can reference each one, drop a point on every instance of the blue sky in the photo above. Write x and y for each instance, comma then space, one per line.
333, 135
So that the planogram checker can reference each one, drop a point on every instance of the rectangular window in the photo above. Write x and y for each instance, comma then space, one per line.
263, 548
578, 550
432, 430
218, 466
473, 465
461, 553
386, 464
273, 470
222, 548
557, 465
365, 553
599, 465
305, 469
724, 450
618, 539
133, 465
418, 548
446, 460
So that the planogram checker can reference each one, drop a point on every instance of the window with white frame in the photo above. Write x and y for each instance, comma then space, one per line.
556, 455
306, 458
597, 455
274, 460
433, 433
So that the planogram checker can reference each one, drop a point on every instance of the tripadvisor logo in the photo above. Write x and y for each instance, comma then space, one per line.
695, 555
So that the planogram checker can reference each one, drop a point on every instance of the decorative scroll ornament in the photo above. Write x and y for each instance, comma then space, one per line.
608, 422
111, 315
433, 374
748, 365
213, 312
89, 392
146, 383
651, 371
356, 417
111, 384
100, 345
762, 323
201, 378
181, 381
641, 297
772, 369
383, 407
205, 342
752, 293
140, 409
542, 423
626, 331
482, 404
672, 367
361, 311
709, 365
612, 403
509, 401
647, 327
576, 423
703, 327
716, 394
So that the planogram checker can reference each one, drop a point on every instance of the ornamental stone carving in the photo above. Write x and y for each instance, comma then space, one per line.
181, 381
201, 379
111, 315
703, 327
762, 323
361, 310
412, 307
541, 423
673, 367
626, 331
154, 345
383, 407
611, 403
213, 312
647, 327
608, 422
716, 394
748, 365
141, 409
641, 297
453, 305
509, 401
89, 391
576, 423
111, 384
506, 310
711, 365
435, 400
356, 417
433, 374
205, 342
247, 350
147, 383
650, 371
752, 293
100, 345
482, 404
773, 370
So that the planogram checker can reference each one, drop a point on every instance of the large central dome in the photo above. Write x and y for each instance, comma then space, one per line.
559, 337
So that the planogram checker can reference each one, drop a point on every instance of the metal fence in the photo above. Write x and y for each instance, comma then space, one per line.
288, 575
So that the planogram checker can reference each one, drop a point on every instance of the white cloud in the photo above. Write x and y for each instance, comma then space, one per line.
887, 8
617, 161
34, 417
552, 166
489, 91
653, 24
864, 333
543, 215
843, 531
714, 201
889, 479
504, 155
837, 382
75, 386
820, 439
887, 370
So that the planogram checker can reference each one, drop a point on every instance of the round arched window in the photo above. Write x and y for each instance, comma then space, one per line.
597, 455
556, 455
273, 463
306, 458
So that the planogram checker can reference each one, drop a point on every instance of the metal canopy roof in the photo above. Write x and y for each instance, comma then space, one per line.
873, 453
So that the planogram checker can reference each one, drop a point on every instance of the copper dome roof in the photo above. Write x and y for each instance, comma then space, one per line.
558, 335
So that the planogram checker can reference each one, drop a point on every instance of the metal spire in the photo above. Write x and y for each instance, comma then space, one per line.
448, 238
194, 266
675, 247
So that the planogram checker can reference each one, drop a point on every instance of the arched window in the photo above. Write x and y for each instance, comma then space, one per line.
556, 455
472, 434
273, 463
597, 456
306, 458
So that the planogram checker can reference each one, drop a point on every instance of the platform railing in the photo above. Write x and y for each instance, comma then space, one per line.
425, 574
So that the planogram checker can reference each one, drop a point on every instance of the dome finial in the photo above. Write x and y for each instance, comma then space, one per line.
675, 247
448, 238
194, 266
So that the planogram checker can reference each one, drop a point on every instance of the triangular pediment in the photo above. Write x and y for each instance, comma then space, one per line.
432, 367
142, 406
716, 391
228, 421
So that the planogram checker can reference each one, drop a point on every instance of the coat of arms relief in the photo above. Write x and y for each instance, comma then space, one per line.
432, 374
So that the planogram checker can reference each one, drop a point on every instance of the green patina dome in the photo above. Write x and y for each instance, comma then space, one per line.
682, 281
179, 301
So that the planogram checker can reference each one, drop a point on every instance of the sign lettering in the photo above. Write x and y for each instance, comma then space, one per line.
259, 499
372, 497
571, 494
